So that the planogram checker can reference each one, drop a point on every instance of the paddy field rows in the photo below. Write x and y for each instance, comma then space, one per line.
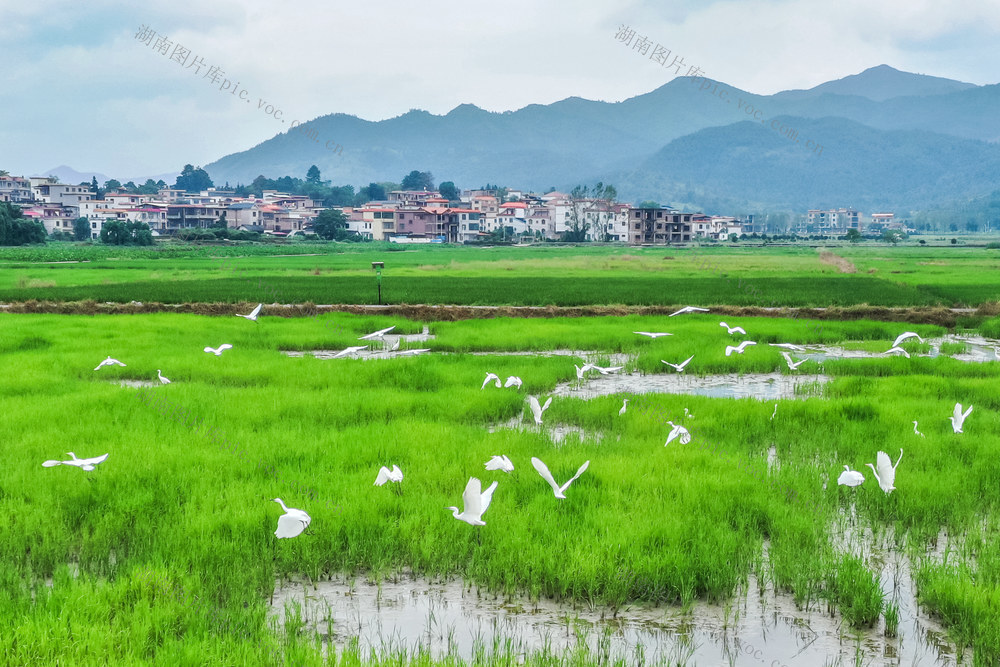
165, 553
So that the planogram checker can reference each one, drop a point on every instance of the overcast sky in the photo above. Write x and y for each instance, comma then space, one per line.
79, 89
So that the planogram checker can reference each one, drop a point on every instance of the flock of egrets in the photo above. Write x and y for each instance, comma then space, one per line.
476, 501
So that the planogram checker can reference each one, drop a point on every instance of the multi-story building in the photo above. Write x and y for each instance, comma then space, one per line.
61, 193
837, 220
659, 226
15, 189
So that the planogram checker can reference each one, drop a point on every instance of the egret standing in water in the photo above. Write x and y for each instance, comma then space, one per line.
163, 380
624, 407
916, 431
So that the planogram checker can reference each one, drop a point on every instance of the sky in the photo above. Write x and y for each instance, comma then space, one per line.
80, 88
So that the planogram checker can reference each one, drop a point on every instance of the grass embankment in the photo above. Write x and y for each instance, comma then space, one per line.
534, 276
644, 523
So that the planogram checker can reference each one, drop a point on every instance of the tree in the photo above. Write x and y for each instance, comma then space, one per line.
449, 191
193, 179
15, 229
418, 180
586, 211
852, 235
116, 232
733, 238
148, 188
331, 224
112, 184
81, 229
313, 175
649, 204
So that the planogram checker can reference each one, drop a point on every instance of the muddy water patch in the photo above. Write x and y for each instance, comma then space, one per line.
762, 386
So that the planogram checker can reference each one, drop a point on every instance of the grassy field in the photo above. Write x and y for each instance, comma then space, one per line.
532, 276
165, 554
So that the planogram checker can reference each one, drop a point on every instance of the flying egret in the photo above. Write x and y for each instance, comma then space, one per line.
512, 381
678, 367
732, 330
898, 349
903, 336
689, 309
788, 346
608, 369
678, 431
386, 475
581, 371
163, 380
108, 362
774, 413
958, 417
792, 365
292, 522
652, 334
82, 464
349, 350
739, 348
414, 352
537, 410
253, 314
500, 463
491, 377
218, 352
475, 502
624, 407
543, 470
850, 477
886, 473
916, 431
378, 334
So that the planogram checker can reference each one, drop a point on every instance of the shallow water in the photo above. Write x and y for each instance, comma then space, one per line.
762, 386
759, 628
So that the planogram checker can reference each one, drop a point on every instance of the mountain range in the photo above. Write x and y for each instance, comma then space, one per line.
890, 140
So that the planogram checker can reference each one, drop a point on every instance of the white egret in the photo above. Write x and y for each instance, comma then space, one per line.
898, 349
512, 381
688, 415
581, 371
108, 362
689, 309
218, 352
386, 475
732, 330
792, 365
774, 413
652, 334
624, 407
82, 464
850, 477
253, 314
916, 431
395, 344
292, 522
958, 417
608, 369
886, 473
739, 348
678, 431
378, 334
543, 470
537, 410
349, 350
475, 502
163, 380
500, 463
678, 367
788, 346
903, 336
491, 377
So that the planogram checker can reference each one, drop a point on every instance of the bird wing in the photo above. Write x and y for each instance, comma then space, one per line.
290, 526
495, 463
49, 464
787, 358
547, 404
382, 477
397, 474
966, 413
209, 349
487, 497
740, 330
543, 470
225, 346
685, 362
256, 310
957, 412
472, 497
93, 461
884, 465
579, 472
613, 369
508, 464
674, 366
512, 380
536, 409
730, 349
903, 336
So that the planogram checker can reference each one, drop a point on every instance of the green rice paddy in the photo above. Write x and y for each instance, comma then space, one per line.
166, 554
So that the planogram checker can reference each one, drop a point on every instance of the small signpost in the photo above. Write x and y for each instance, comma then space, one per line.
378, 266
